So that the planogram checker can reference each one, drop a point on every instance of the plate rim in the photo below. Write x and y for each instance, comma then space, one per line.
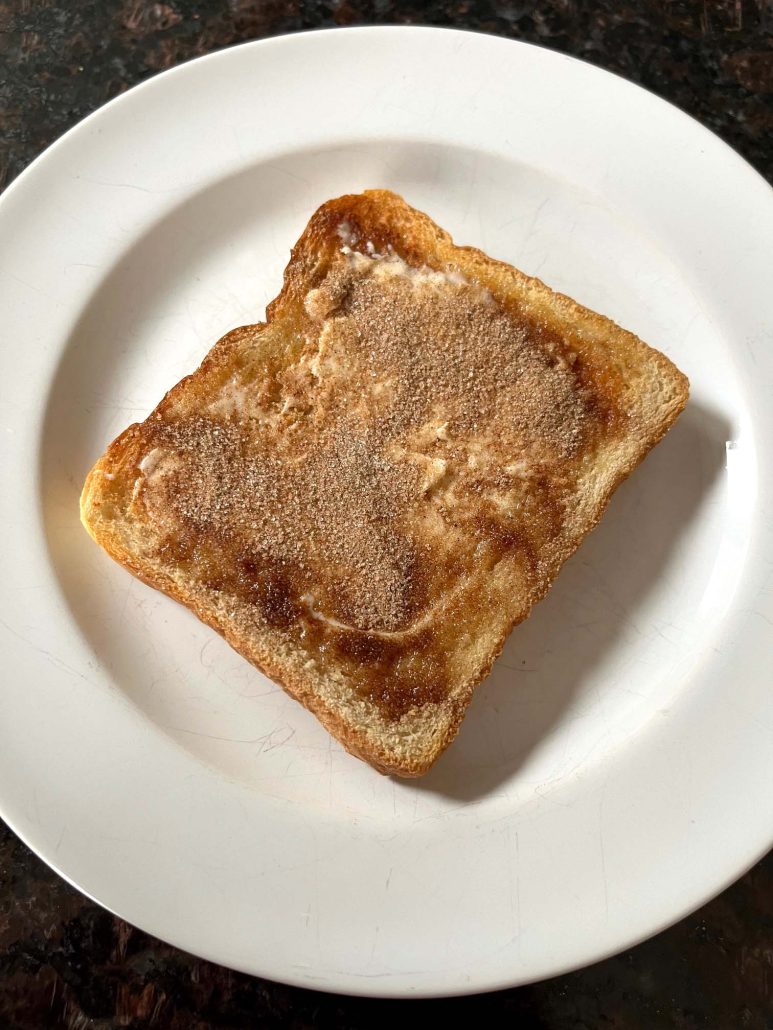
282, 37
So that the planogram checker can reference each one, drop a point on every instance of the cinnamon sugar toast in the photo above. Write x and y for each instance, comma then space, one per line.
365, 493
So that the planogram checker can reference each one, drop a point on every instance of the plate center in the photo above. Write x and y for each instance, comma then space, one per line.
616, 640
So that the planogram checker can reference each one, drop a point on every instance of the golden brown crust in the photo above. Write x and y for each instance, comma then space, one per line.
629, 396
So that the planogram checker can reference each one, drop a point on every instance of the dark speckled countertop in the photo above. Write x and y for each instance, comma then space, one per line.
65, 962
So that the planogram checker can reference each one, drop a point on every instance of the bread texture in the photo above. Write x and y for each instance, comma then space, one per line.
365, 493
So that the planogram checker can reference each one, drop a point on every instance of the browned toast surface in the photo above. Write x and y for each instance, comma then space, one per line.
365, 493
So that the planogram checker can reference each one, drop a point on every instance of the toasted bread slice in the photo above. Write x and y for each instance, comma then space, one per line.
368, 491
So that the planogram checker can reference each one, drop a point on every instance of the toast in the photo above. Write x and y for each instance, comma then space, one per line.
365, 493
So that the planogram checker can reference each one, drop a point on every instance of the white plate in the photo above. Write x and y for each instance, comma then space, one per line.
616, 770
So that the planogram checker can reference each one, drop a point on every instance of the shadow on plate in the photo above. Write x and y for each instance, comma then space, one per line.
595, 597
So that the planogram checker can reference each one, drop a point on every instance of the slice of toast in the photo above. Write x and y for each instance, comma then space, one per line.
368, 491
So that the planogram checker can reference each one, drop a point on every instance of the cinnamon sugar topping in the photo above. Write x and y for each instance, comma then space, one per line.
420, 426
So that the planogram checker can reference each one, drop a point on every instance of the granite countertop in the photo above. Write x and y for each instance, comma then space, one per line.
66, 962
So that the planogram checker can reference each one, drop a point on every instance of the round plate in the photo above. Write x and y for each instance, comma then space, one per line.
615, 771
